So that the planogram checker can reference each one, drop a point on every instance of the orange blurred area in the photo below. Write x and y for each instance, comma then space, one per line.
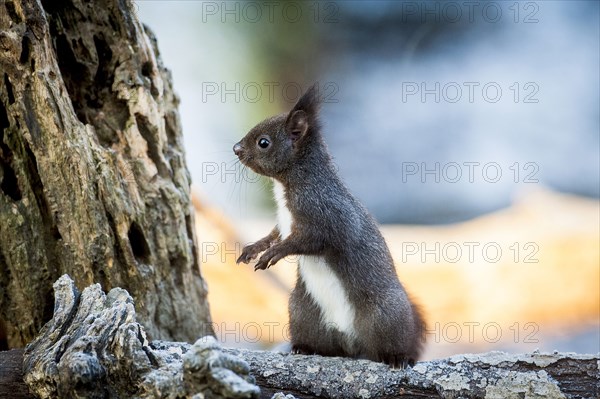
522, 278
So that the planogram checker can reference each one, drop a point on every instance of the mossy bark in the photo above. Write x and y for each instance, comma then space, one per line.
93, 180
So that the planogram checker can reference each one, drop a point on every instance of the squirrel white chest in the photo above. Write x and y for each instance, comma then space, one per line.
320, 280
284, 217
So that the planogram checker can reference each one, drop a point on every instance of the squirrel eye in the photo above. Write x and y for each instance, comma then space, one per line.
263, 143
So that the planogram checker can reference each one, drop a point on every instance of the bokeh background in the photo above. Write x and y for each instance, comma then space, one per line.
471, 130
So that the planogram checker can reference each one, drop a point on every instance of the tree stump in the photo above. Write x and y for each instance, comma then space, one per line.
93, 180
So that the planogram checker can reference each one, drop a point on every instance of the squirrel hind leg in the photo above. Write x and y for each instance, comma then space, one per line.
302, 350
396, 360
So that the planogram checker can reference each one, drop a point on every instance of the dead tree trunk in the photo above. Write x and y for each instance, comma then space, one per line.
93, 180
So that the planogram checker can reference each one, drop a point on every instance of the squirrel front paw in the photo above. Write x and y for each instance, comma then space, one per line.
268, 259
250, 252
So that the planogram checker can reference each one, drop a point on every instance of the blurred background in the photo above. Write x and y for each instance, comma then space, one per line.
471, 130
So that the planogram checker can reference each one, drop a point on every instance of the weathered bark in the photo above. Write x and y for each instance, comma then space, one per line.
94, 348
93, 181
492, 375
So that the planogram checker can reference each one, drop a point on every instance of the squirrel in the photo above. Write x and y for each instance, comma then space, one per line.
348, 300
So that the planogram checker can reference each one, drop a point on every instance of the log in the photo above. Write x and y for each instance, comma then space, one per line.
496, 375
93, 347
93, 180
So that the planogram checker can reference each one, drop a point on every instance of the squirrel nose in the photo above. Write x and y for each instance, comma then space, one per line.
237, 149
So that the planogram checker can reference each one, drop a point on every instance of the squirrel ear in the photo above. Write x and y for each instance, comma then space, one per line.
309, 102
297, 124
304, 115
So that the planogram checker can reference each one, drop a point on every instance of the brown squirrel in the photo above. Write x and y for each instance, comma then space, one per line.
348, 300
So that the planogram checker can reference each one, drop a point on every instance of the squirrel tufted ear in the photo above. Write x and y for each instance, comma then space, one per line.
297, 124
309, 102
304, 115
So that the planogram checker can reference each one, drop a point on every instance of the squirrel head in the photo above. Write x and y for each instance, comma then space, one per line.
273, 146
